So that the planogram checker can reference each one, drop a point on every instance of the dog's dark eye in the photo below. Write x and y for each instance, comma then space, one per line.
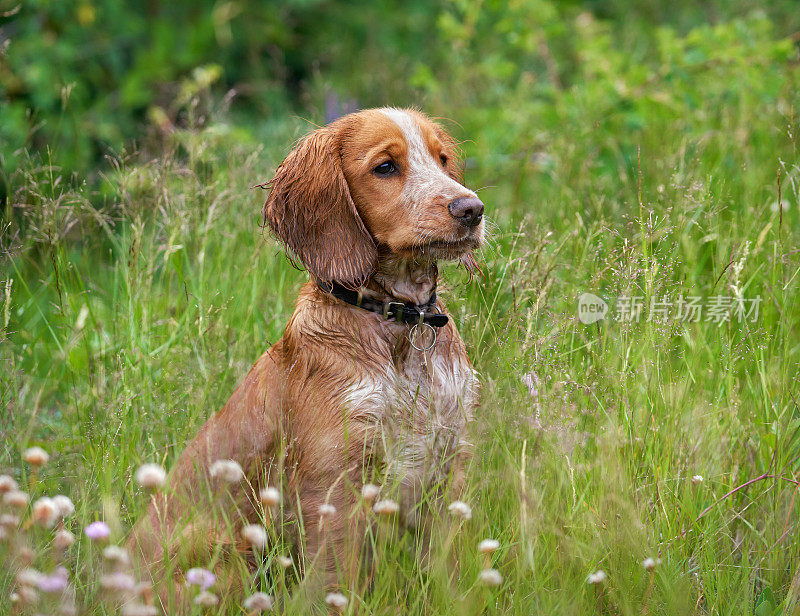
386, 168
443, 158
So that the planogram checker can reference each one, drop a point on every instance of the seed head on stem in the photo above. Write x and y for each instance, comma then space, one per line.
36, 456
257, 603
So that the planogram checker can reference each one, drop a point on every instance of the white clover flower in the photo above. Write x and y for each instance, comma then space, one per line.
118, 581
258, 602
326, 509
369, 491
56, 582
3, 535
487, 546
45, 512
36, 456
697, 480
67, 607
151, 476
135, 608
460, 509
386, 507
63, 539
206, 599
490, 577
29, 577
335, 600
226, 470
255, 535
27, 595
197, 576
270, 497
16, 499
9, 521
64, 505
97, 531
598, 577
25, 555
7, 484
285, 561
651, 563
116, 555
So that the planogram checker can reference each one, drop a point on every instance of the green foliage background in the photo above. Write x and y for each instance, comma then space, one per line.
624, 148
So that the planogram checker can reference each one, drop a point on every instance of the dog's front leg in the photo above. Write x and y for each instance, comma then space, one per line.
195, 521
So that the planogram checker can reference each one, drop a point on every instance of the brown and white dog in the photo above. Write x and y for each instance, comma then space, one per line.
367, 204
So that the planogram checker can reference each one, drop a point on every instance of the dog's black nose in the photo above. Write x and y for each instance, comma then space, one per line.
467, 210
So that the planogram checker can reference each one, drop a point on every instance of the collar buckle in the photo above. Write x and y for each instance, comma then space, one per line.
398, 312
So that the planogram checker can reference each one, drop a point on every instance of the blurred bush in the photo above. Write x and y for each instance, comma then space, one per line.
80, 79
553, 99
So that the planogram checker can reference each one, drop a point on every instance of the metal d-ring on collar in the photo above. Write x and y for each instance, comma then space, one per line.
414, 328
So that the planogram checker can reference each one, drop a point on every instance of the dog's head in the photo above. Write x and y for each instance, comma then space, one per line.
381, 177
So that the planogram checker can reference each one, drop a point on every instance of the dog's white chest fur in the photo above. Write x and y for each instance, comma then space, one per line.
420, 410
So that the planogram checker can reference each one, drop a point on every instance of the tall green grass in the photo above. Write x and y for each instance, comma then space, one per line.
131, 310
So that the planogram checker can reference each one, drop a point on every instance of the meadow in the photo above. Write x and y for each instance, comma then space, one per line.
644, 167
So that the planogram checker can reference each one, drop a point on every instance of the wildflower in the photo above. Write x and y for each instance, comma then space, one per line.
63, 539
651, 563
55, 582
116, 555
226, 470
25, 555
97, 531
369, 491
27, 595
255, 535
151, 476
3, 534
206, 599
118, 581
7, 484
67, 607
270, 497
135, 608
198, 576
36, 456
697, 480
487, 546
258, 602
598, 577
490, 577
9, 521
285, 561
29, 577
460, 509
16, 499
386, 507
336, 600
531, 381
45, 511
326, 509
64, 505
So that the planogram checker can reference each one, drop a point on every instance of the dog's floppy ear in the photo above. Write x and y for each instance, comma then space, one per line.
310, 209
